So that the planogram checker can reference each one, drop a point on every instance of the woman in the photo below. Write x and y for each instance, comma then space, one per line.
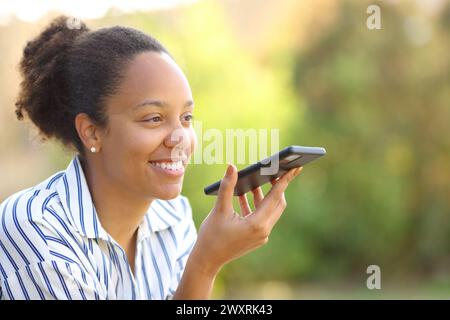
113, 225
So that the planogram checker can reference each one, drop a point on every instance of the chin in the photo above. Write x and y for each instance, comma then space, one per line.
169, 193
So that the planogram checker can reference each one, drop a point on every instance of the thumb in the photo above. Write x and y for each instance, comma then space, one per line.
226, 189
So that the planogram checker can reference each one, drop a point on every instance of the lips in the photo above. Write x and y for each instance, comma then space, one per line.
168, 165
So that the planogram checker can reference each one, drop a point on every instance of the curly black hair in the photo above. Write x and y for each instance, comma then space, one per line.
68, 69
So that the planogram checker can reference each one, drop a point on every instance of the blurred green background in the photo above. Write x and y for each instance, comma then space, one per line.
377, 100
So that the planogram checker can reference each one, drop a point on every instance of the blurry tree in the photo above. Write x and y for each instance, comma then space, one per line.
380, 102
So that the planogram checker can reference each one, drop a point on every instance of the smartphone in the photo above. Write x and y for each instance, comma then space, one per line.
270, 168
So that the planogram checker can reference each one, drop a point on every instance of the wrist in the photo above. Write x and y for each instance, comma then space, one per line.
198, 262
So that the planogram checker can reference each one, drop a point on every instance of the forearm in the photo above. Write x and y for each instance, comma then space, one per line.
197, 281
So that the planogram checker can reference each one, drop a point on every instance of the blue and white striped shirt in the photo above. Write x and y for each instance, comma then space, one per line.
52, 245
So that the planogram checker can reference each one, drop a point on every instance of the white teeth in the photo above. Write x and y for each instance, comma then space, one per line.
178, 165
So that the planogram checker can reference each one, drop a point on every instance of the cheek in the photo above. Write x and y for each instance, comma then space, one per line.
144, 142
135, 141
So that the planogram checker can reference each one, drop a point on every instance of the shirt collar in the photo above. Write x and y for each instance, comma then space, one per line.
163, 214
76, 199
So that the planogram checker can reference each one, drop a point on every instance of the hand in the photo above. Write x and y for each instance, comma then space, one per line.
225, 235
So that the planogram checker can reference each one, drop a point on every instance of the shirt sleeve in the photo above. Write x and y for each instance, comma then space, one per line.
49, 280
188, 237
35, 262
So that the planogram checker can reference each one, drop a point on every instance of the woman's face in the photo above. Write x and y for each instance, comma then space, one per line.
150, 135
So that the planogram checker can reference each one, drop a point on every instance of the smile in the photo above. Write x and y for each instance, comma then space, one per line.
172, 169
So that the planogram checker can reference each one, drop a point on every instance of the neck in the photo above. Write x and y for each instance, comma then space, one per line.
119, 212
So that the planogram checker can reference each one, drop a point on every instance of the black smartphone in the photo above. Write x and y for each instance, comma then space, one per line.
270, 168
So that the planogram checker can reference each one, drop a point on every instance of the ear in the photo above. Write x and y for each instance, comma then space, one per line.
87, 131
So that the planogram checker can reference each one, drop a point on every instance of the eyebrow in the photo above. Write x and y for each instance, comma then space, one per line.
159, 103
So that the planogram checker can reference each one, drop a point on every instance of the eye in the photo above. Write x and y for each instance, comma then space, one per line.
188, 117
153, 119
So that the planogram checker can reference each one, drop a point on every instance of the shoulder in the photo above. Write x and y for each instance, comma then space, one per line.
25, 206
22, 225
30, 204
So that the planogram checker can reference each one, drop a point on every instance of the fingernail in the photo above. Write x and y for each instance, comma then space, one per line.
297, 172
291, 175
229, 170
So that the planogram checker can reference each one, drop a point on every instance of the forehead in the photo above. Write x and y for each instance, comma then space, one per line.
151, 75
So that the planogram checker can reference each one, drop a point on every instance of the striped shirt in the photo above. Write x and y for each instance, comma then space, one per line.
52, 245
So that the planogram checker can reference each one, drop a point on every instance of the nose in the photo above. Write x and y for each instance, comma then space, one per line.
178, 139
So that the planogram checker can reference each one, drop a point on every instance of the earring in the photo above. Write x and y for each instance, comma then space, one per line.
93, 149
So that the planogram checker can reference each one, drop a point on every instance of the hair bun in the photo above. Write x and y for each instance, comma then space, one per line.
42, 69
40, 53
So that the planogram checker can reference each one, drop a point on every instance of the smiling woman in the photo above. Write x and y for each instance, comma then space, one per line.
114, 224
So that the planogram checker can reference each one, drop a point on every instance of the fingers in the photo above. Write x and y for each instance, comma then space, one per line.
258, 197
276, 193
245, 208
278, 211
226, 189
273, 205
